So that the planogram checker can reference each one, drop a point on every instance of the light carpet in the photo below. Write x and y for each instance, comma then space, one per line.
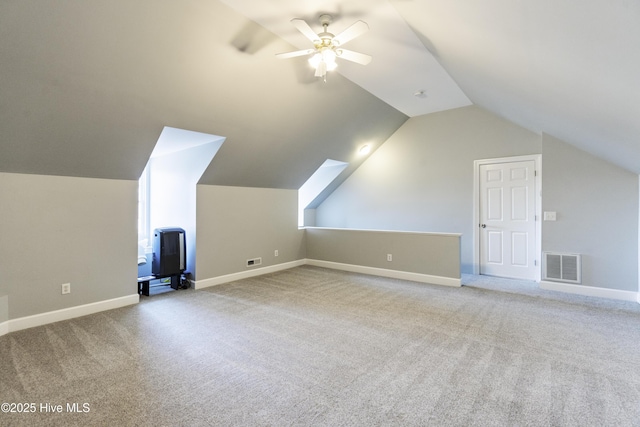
311, 346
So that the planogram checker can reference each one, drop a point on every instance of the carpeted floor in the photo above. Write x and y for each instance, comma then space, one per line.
311, 346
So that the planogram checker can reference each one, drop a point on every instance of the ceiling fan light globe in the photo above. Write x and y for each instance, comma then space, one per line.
315, 60
329, 56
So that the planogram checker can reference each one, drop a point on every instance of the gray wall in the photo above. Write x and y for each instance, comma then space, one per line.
4, 308
238, 223
422, 253
59, 230
597, 214
421, 179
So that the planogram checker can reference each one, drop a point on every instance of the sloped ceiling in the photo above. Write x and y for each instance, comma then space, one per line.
88, 85
568, 68
401, 65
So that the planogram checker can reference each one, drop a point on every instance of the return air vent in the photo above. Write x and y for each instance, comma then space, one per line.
562, 267
254, 261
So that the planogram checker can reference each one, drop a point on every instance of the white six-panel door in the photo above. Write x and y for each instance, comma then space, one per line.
507, 220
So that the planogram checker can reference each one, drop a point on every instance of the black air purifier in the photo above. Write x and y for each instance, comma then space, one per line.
169, 252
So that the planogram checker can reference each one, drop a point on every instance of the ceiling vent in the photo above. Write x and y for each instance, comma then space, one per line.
560, 267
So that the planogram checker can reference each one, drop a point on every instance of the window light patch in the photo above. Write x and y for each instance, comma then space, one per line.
320, 179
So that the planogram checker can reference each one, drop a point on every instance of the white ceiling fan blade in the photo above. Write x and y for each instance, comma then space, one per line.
305, 29
359, 27
350, 55
287, 55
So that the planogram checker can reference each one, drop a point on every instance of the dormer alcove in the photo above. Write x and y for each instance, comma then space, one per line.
167, 193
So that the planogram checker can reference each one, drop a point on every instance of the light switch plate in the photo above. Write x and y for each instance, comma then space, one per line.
549, 216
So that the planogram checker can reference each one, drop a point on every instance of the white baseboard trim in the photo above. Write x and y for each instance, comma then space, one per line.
219, 280
394, 274
66, 314
590, 291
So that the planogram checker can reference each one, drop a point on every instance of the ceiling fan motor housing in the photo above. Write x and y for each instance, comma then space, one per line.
326, 38
325, 20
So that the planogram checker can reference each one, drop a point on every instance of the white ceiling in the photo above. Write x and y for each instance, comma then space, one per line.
172, 140
401, 65
88, 86
569, 68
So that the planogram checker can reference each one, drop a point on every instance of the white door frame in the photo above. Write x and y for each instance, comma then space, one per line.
537, 160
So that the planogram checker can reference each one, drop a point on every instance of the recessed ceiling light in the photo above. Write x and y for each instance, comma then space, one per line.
420, 94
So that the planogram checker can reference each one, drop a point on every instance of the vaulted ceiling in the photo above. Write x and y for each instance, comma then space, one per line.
86, 86
569, 68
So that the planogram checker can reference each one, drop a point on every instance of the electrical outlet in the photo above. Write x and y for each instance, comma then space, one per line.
66, 288
389, 257
275, 253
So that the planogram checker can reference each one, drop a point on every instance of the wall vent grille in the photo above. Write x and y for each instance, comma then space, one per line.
560, 267
254, 261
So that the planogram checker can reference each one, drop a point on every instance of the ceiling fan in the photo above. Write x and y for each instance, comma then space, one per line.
327, 47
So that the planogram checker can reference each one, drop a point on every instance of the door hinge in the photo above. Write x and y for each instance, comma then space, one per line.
535, 262
535, 173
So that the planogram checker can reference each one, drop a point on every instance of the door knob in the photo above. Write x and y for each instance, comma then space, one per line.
483, 225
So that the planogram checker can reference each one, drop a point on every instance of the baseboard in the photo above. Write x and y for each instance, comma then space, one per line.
394, 274
590, 291
219, 280
66, 314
